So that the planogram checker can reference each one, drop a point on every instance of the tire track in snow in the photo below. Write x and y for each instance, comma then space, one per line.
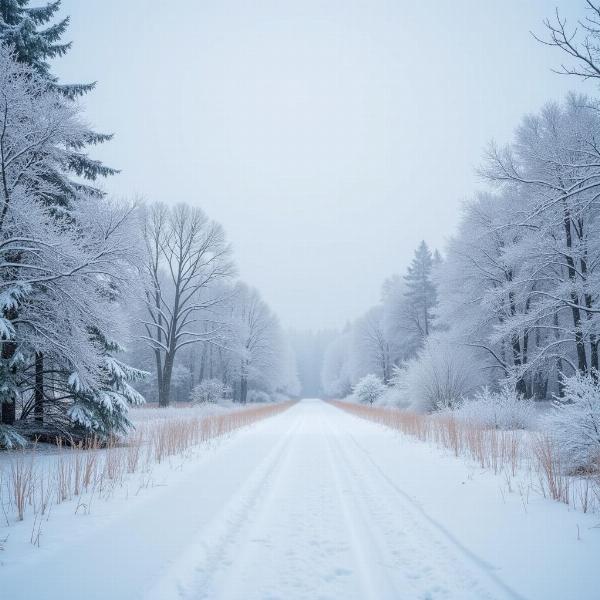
428, 542
375, 585
290, 549
193, 572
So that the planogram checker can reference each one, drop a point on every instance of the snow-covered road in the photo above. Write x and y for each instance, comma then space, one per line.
307, 504
317, 520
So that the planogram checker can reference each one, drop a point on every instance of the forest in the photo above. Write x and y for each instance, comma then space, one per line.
105, 303
203, 392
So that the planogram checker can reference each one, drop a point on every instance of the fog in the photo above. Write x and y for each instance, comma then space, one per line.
328, 138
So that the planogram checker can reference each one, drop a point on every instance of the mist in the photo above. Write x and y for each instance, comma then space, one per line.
329, 139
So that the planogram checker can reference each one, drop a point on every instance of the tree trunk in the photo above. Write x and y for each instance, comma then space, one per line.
515, 342
165, 389
9, 412
579, 341
159, 373
243, 389
9, 347
38, 406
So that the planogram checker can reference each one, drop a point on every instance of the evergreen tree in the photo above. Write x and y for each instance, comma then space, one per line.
102, 409
28, 31
421, 292
34, 39
34, 43
63, 184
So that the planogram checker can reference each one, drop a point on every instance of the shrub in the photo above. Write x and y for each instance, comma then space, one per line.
210, 390
258, 396
502, 410
575, 423
440, 376
393, 397
369, 389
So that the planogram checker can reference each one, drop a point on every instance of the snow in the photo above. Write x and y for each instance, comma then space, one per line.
312, 503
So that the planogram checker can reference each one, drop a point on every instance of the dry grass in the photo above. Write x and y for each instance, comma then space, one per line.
35, 481
503, 452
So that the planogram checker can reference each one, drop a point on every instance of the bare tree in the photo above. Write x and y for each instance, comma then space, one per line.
259, 343
186, 254
374, 351
581, 42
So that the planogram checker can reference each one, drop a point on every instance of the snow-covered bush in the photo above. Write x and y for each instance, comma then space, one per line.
393, 396
369, 389
210, 390
442, 374
258, 396
502, 410
575, 423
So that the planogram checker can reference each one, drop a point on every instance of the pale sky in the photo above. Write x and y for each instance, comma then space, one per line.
328, 137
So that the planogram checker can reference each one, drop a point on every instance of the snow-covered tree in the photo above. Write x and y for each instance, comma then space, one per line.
210, 390
186, 257
59, 272
421, 292
259, 343
581, 42
368, 389
34, 40
374, 351
553, 169
476, 286
575, 423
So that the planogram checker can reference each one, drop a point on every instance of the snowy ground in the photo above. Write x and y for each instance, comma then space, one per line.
312, 503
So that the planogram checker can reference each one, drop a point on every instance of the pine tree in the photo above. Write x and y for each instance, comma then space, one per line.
421, 291
66, 183
23, 29
102, 410
34, 41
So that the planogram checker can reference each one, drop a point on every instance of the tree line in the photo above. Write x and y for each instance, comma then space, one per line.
515, 300
80, 273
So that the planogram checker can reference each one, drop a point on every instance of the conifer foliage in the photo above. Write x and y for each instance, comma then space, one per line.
60, 238
420, 290
34, 40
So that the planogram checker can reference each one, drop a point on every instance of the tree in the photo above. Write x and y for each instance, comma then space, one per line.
34, 40
420, 290
186, 256
408, 305
102, 408
38, 127
60, 276
19, 28
554, 168
398, 320
23, 30
259, 343
477, 288
369, 389
581, 44
575, 424
373, 350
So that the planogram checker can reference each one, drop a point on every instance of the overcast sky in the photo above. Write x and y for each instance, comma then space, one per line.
328, 137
